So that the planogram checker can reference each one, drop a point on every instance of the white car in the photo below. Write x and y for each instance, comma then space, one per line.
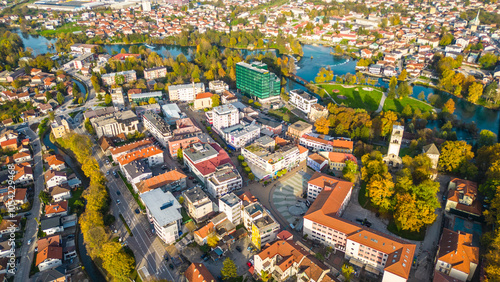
29, 242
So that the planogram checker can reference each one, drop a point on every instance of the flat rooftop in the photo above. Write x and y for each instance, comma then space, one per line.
230, 199
162, 206
200, 151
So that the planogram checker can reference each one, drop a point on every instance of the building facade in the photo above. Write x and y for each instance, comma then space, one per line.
255, 80
231, 205
110, 78
125, 122
302, 100
154, 73
185, 92
157, 127
164, 212
198, 204
225, 116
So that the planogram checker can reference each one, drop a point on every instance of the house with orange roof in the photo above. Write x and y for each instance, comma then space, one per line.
124, 149
60, 208
202, 101
317, 162
49, 257
198, 272
337, 160
55, 162
164, 181
326, 143
456, 257
462, 196
152, 154
201, 235
24, 173
339, 190
9, 145
54, 178
284, 259
362, 246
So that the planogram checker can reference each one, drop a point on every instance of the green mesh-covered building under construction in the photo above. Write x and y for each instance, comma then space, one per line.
255, 80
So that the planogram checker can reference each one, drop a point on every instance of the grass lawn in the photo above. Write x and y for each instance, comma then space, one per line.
75, 195
362, 198
397, 105
415, 236
356, 97
65, 28
185, 216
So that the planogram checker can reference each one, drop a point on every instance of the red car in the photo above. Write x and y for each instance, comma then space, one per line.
249, 264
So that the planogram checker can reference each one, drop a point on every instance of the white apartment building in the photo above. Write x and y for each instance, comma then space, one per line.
266, 162
225, 116
302, 100
224, 180
324, 145
198, 204
125, 122
154, 73
250, 213
238, 135
110, 78
231, 205
185, 92
164, 211
117, 98
217, 86
157, 126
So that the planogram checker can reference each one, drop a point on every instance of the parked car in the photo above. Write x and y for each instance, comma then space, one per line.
238, 248
117, 201
249, 264
118, 192
29, 242
27, 214
137, 211
171, 266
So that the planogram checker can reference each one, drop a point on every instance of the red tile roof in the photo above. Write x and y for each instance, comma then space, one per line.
204, 95
198, 272
160, 180
140, 154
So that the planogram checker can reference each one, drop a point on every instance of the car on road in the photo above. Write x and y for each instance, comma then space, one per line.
137, 211
118, 192
204, 255
117, 201
249, 264
171, 266
27, 214
191, 178
107, 172
29, 242
238, 248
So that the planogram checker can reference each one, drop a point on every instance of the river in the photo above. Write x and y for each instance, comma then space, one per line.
314, 58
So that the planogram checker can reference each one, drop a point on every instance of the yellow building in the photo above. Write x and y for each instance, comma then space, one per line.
59, 127
255, 236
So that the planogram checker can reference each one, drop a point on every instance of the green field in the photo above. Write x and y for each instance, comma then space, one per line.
356, 97
65, 28
397, 105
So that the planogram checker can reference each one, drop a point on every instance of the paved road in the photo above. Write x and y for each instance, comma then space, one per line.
31, 225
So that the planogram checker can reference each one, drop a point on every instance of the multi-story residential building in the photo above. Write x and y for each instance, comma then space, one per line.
320, 144
225, 116
255, 80
250, 213
302, 100
117, 98
151, 153
217, 86
122, 77
285, 259
59, 127
156, 108
462, 196
124, 149
83, 48
202, 101
182, 142
125, 122
199, 206
136, 171
225, 179
55, 178
238, 136
185, 92
99, 112
145, 97
231, 205
264, 230
50, 253
265, 161
172, 113
320, 182
157, 126
212, 165
271, 125
298, 129
154, 73
317, 112
456, 258
317, 162
167, 181
384, 253
164, 212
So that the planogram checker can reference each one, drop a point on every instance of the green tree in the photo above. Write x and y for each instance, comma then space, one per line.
60, 98
180, 155
119, 79
455, 154
264, 276
488, 60
392, 88
347, 271
322, 125
404, 90
486, 138
99, 97
107, 99
89, 127
350, 170
215, 100
45, 197
380, 189
228, 270
407, 111
475, 91
212, 241
52, 116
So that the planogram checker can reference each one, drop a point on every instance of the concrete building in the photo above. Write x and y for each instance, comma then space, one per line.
265, 162
224, 116
456, 257
317, 112
117, 98
225, 179
164, 212
59, 127
433, 153
151, 153
462, 196
154, 73
256, 81
172, 113
185, 92
157, 126
125, 122
231, 205
336, 160
145, 97
320, 182
136, 171
110, 78
198, 205
217, 86
238, 136
299, 128
264, 230
202, 101
169, 181
302, 100
326, 144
